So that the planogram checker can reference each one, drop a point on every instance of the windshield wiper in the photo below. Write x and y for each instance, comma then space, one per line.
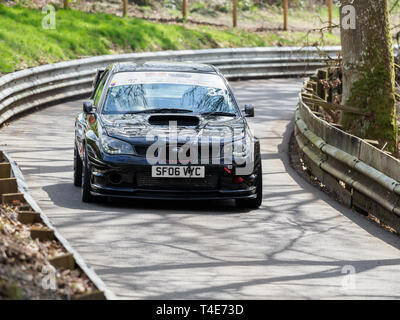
162, 110
219, 113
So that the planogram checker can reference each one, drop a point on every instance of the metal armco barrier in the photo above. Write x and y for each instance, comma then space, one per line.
49, 84
359, 174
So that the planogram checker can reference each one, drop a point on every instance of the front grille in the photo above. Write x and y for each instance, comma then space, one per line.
144, 180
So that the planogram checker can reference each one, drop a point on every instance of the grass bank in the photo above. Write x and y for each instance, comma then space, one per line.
25, 43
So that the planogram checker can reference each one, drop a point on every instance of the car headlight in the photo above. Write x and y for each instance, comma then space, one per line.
116, 146
236, 150
239, 148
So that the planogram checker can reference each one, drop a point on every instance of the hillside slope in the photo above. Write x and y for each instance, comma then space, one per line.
80, 34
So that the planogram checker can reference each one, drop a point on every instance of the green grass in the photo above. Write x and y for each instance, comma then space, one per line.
24, 43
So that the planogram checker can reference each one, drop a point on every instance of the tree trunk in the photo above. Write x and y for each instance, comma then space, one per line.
330, 15
285, 15
65, 4
234, 13
124, 8
184, 10
368, 71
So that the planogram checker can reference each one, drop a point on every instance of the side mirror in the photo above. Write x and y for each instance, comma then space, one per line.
88, 107
249, 110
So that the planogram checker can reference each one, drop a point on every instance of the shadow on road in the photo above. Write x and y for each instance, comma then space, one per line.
355, 217
57, 194
295, 245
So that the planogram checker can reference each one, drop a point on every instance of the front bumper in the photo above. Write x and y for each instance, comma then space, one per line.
250, 193
134, 181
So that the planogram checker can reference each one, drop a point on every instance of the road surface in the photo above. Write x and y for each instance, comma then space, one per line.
299, 245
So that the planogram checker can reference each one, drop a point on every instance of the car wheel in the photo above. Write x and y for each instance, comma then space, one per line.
256, 202
86, 173
77, 168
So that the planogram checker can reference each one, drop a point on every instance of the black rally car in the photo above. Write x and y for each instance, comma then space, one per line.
162, 130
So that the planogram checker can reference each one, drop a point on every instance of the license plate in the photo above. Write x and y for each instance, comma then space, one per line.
177, 172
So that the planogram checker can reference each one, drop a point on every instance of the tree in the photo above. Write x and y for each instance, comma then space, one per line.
330, 15
368, 71
184, 10
124, 8
285, 14
234, 13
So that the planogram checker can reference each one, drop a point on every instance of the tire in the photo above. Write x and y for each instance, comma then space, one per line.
86, 173
77, 168
256, 202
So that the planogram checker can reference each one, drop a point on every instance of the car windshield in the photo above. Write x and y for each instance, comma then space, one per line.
145, 92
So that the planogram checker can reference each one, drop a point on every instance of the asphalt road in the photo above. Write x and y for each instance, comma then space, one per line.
300, 244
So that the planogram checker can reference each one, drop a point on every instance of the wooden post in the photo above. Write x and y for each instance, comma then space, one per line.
8, 185
5, 170
235, 5
285, 15
184, 10
330, 15
124, 8
65, 4
43, 234
63, 262
12, 198
29, 217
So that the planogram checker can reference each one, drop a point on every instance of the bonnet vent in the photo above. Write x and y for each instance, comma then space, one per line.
165, 120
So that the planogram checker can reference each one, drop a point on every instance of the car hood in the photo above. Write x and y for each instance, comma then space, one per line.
138, 127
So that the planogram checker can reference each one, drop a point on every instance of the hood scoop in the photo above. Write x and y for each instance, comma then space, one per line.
180, 120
